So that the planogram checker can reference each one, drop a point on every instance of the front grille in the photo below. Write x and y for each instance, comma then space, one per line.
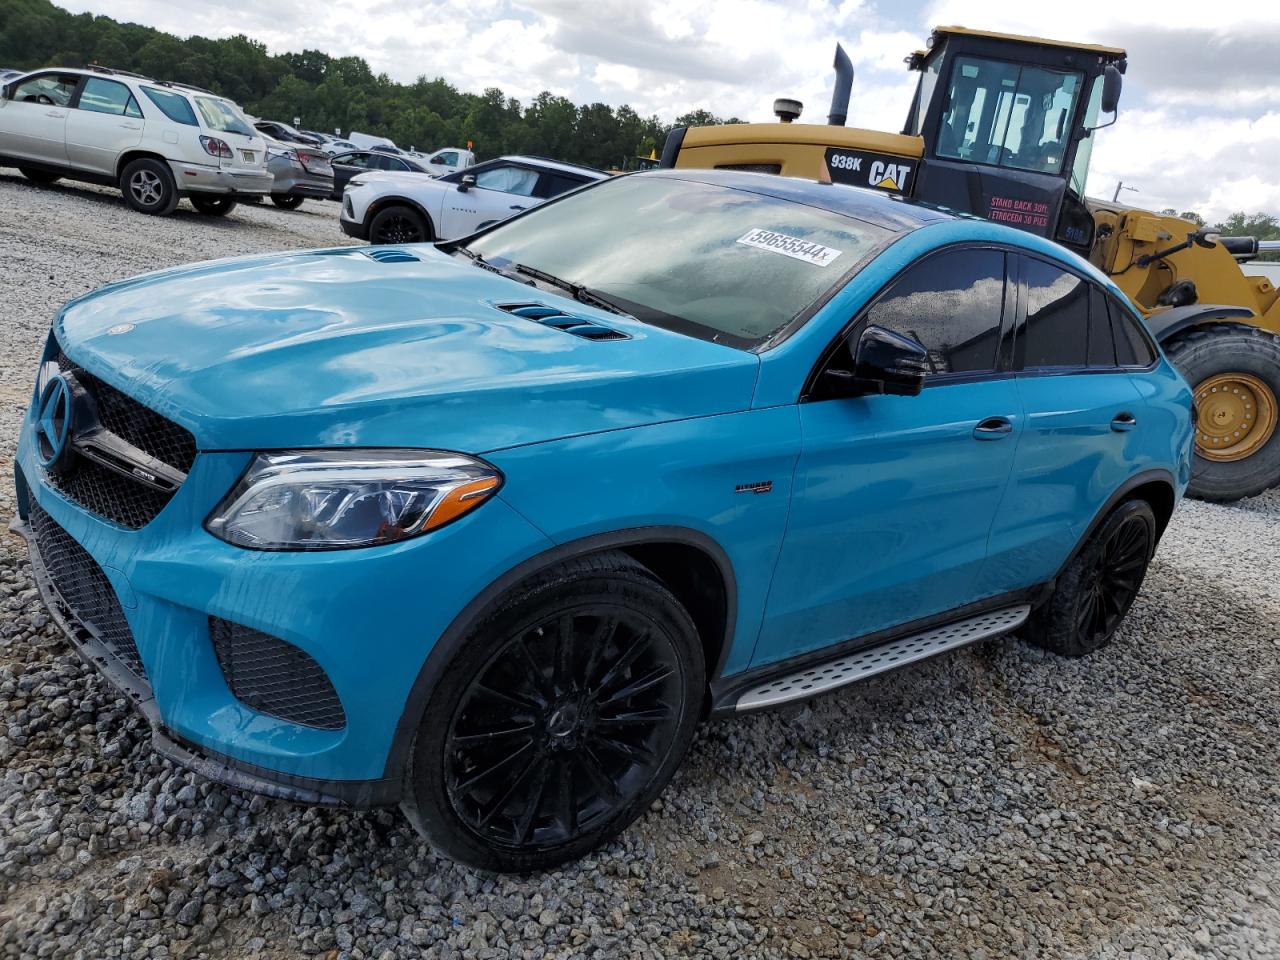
275, 677
84, 589
118, 498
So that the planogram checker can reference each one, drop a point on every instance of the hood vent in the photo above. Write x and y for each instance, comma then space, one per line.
385, 255
551, 317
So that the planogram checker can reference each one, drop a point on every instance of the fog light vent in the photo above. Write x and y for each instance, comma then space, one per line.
274, 677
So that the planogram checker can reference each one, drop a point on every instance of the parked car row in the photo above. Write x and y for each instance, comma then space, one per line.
159, 141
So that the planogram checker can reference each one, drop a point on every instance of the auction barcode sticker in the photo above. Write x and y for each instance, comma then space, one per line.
793, 247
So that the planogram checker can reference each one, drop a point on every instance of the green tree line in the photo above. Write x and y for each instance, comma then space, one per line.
328, 93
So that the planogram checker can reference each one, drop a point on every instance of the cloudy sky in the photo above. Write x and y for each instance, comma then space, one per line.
1200, 117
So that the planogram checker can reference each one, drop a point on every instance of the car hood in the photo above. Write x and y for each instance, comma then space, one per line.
384, 346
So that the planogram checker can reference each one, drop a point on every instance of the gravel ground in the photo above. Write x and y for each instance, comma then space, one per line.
998, 802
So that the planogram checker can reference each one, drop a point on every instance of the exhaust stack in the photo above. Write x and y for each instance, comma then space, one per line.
844, 86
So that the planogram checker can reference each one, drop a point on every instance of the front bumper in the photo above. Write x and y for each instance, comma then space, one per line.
369, 618
198, 178
353, 229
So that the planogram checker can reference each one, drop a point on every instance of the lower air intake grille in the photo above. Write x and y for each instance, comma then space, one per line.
275, 677
84, 589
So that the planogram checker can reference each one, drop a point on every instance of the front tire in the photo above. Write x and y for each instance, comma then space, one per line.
1095, 592
214, 206
148, 187
39, 176
558, 720
398, 225
285, 201
1234, 372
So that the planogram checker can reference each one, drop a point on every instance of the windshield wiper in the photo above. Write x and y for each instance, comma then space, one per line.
576, 290
484, 264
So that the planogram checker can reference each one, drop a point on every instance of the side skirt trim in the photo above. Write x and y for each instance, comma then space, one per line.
842, 671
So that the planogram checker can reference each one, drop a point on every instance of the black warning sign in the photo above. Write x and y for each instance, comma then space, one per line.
880, 171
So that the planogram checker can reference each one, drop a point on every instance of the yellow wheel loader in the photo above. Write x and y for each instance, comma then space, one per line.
1002, 127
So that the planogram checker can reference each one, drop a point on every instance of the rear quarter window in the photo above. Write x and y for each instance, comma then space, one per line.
172, 105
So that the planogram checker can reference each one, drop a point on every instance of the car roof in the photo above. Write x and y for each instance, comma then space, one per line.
872, 206
561, 165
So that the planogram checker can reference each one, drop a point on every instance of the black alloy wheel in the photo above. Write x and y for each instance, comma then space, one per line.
398, 225
1098, 587
576, 717
286, 201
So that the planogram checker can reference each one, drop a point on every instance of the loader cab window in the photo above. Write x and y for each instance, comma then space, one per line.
924, 96
1080, 166
1006, 115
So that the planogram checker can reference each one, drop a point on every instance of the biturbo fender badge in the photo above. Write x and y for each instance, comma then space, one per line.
863, 168
762, 486
53, 422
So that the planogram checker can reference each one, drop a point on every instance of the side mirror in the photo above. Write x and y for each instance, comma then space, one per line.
4, 91
466, 183
1112, 82
884, 362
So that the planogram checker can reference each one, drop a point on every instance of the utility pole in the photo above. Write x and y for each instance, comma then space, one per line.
1120, 186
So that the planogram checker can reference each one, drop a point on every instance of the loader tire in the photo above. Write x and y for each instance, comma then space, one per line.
1234, 372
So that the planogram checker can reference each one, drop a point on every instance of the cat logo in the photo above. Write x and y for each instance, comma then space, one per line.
859, 168
889, 176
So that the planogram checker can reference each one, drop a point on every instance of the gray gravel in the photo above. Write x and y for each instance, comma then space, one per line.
999, 802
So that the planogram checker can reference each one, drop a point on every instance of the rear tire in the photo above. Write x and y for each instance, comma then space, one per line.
286, 202
399, 224
1237, 444
1095, 592
558, 720
147, 186
215, 206
40, 176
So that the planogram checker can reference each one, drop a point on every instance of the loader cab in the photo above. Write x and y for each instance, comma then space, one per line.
1007, 127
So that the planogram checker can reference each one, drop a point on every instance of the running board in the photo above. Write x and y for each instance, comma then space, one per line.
853, 667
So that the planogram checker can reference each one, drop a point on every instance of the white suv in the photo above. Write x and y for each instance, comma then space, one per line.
156, 141
411, 208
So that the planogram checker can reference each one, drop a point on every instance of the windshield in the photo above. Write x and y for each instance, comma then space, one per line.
1008, 115
221, 116
712, 261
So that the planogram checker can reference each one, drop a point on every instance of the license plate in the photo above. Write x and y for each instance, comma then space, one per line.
247, 156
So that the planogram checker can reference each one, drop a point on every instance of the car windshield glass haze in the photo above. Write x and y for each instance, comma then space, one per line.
716, 262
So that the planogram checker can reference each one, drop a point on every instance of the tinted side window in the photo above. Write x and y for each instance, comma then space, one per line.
1102, 350
554, 184
172, 105
51, 89
952, 303
1055, 332
1133, 348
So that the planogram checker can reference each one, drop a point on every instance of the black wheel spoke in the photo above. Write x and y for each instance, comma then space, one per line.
525, 822
511, 699
637, 718
617, 668
537, 679
564, 679
504, 798
490, 736
594, 769
466, 786
638, 686
603, 636
566, 798
637, 753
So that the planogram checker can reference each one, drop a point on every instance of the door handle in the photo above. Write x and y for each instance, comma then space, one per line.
1124, 422
516, 206
55, 113
130, 126
993, 428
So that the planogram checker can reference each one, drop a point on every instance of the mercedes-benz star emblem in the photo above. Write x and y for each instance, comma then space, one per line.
53, 421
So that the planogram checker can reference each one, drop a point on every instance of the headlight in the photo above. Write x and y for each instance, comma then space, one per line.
335, 499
